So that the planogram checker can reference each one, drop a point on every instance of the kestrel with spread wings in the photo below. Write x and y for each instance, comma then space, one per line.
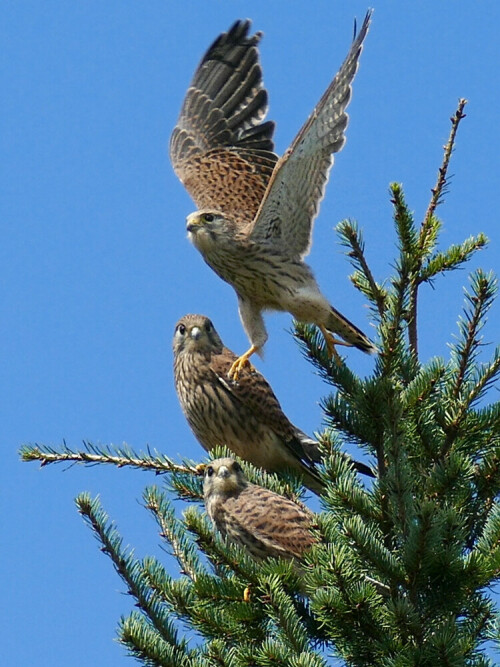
261, 521
256, 211
243, 415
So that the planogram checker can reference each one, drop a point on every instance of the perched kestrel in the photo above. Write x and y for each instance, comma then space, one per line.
265, 523
256, 212
244, 414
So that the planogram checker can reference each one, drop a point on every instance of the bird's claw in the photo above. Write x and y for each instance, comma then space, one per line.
333, 352
235, 370
241, 363
330, 343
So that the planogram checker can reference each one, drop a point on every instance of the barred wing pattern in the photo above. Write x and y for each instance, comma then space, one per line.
220, 149
292, 199
265, 523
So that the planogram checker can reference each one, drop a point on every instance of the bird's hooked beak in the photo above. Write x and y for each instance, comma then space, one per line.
193, 222
223, 472
195, 333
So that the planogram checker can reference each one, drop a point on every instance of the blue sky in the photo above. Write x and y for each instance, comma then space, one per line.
96, 269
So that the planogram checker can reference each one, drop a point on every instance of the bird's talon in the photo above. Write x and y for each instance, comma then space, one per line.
237, 367
330, 343
247, 593
241, 363
336, 356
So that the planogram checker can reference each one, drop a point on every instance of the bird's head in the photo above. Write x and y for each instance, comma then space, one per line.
196, 333
206, 228
223, 476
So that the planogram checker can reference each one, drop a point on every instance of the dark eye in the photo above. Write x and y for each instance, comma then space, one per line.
208, 217
181, 329
209, 471
237, 467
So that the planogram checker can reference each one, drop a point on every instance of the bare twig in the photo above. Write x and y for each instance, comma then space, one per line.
448, 149
437, 193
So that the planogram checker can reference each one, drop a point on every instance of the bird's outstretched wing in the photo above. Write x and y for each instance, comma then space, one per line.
220, 149
292, 199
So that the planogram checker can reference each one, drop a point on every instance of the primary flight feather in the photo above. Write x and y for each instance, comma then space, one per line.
256, 211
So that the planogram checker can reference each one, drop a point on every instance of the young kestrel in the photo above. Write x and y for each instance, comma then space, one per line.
244, 414
265, 523
256, 211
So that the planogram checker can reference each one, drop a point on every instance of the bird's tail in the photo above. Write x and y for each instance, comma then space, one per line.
340, 325
310, 454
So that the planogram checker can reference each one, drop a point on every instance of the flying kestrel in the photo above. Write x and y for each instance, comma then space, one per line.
244, 414
265, 523
256, 210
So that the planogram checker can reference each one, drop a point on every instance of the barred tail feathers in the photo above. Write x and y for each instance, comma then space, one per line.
340, 325
313, 453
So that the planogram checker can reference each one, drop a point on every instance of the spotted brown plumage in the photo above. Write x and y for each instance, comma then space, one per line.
261, 521
243, 415
256, 212
219, 149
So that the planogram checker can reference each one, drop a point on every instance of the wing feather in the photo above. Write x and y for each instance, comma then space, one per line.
281, 526
252, 392
294, 192
221, 149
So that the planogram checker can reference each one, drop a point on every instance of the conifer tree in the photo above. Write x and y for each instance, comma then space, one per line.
403, 570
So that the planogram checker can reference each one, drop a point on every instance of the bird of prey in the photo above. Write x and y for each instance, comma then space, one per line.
263, 522
256, 211
244, 414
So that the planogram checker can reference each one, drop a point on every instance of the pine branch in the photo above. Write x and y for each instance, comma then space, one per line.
363, 278
452, 259
470, 382
217, 652
438, 190
423, 385
281, 609
344, 494
311, 344
405, 225
371, 551
487, 419
220, 612
174, 531
350, 612
484, 288
482, 379
144, 644
396, 315
130, 571
119, 456
178, 594
272, 653
488, 543
428, 228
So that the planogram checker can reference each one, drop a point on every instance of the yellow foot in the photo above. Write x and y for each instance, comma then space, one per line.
240, 363
247, 594
330, 343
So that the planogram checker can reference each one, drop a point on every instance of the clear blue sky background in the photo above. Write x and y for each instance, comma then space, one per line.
96, 269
